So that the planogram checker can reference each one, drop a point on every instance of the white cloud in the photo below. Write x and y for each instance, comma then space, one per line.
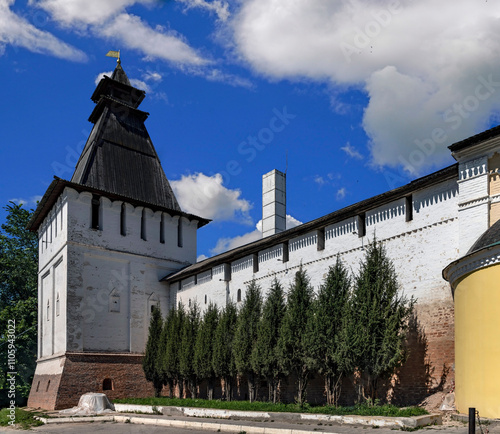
341, 192
16, 31
205, 196
84, 12
351, 151
109, 19
29, 202
201, 258
221, 8
417, 61
225, 244
155, 43
152, 76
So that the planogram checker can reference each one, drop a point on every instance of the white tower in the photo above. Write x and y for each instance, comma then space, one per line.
107, 237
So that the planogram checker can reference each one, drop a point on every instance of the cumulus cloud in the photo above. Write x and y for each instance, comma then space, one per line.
220, 8
84, 12
110, 20
351, 151
205, 196
17, 31
430, 69
225, 244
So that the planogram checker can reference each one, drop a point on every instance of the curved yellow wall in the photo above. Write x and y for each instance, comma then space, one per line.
477, 342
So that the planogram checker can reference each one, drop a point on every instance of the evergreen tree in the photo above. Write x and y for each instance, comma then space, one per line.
264, 356
150, 362
203, 352
222, 359
293, 348
377, 322
18, 299
170, 362
162, 351
188, 342
246, 336
325, 330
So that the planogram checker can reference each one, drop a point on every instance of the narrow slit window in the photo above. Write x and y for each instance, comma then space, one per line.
143, 225
179, 233
409, 208
48, 310
361, 225
57, 305
123, 220
96, 205
48, 385
205, 298
162, 229
238, 296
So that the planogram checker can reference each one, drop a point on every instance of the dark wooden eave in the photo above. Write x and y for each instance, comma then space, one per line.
57, 186
473, 140
448, 173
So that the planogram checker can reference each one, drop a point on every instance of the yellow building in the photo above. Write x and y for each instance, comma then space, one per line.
475, 282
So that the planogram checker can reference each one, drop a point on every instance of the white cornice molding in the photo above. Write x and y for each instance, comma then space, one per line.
475, 261
486, 148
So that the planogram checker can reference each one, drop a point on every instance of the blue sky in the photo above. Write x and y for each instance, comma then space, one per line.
352, 98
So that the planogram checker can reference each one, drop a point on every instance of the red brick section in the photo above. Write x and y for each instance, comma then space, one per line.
84, 373
429, 368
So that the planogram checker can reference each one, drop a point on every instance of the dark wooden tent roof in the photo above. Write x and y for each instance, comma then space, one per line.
119, 156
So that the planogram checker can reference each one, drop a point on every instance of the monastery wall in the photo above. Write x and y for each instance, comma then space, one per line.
420, 244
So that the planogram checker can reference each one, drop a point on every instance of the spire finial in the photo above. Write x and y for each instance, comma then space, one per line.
115, 54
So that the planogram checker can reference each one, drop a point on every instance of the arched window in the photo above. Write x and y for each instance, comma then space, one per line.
238, 296
107, 384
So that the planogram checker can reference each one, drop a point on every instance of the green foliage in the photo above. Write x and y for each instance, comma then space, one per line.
170, 349
22, 418
188, 342
18, 298
203, 351
264, 355
222, 358
246, 335
359, 409
377, 321
325, 335
150, 363
293, 347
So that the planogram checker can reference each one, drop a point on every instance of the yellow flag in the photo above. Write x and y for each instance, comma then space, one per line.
113, 54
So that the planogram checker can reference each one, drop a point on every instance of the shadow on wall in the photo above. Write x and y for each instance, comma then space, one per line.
417, 378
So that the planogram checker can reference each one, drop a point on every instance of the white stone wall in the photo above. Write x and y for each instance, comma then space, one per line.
96, 286
420, 249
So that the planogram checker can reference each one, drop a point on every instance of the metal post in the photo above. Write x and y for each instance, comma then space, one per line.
472, 420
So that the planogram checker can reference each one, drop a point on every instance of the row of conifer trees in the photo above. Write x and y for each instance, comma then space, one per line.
354, 326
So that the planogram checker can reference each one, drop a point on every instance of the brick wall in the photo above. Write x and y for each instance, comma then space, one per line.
83, 373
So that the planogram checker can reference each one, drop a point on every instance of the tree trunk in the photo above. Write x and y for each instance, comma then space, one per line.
251, 386
210, 389
181, 388
193, 387
170, 383
301, 387
333, 386
228, 387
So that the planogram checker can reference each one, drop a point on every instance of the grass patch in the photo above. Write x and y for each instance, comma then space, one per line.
24, 419
360, 409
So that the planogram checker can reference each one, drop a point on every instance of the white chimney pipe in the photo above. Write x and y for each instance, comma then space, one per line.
273, 203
